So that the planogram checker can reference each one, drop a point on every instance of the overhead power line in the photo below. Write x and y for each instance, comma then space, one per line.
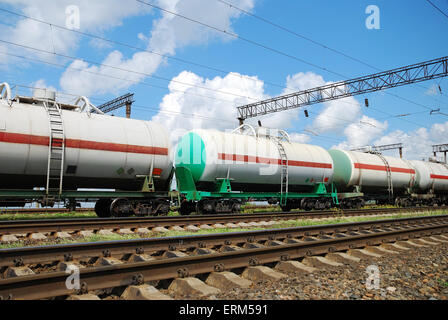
437, 8
126, 70
178, 59
265, 47
258, 44
123, 44
309, 40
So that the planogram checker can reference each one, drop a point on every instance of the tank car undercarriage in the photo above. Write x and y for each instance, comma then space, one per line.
121, 207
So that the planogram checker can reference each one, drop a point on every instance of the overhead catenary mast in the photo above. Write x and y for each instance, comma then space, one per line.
420, 72
125, 100
378, 149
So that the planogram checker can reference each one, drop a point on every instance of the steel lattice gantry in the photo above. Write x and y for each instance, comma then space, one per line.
424, 71
125, 100
377, 149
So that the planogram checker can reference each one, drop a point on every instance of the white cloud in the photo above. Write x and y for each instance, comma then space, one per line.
302, 81
361, 133
417, 143
95, 16
335, 115
299, 137
168, 34
187, 107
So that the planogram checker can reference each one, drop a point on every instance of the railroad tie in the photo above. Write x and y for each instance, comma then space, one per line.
341, 257
227, 281
320, 262
192, 286
294, 266
262, 273
143, 292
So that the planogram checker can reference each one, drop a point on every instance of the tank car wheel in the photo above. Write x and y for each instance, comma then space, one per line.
120, 208
286, 208
102, 208
236, 207
185, 208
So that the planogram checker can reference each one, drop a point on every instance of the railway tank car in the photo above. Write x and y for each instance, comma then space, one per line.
389, 179
59, 147
254, 163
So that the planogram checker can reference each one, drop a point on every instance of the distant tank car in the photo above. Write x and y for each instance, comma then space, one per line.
387, 179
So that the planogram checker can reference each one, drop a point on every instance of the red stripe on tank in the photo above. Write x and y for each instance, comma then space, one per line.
24, 139
253, 159
383, 168
437, 176
82, 144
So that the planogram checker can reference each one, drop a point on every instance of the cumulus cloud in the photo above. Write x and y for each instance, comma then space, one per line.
299, 137
187, 107
95, 16
168, 34
335, 114
361, 133
417, 143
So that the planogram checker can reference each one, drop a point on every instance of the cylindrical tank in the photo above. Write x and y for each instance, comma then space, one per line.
370, 171
431, 176
101, 151
253, 162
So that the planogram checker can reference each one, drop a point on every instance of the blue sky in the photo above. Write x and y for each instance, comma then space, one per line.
410, 32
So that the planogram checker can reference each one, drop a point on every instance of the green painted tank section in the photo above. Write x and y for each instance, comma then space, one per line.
191, 154
342, 168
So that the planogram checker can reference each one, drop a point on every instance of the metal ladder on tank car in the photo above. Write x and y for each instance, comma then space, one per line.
390, 186
284, 173
55, 169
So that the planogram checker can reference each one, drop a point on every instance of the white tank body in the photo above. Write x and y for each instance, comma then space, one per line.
431, 176
370, 171
101, 151
254, 163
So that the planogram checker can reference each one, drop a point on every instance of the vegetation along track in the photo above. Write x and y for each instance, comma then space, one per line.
113, 264
42, 210
12, 230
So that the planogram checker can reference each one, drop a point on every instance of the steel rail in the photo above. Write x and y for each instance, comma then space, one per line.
47, 285
78, 251
58, 225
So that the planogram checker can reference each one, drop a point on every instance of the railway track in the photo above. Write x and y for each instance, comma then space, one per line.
64, 210
13, 230
113, 264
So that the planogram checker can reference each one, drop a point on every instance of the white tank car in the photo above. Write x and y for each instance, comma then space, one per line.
430, 176
371, 172
101, 151
252, 160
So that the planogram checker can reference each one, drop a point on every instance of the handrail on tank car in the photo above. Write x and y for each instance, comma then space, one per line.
6, 94
245, 126
87, 104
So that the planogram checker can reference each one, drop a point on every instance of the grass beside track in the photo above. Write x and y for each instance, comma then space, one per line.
296, 223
